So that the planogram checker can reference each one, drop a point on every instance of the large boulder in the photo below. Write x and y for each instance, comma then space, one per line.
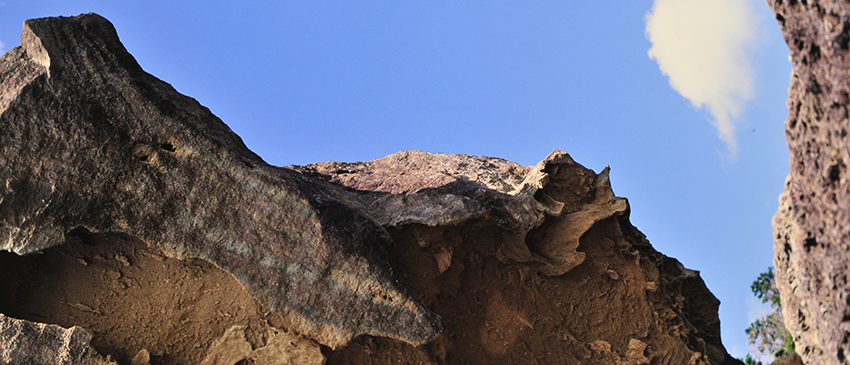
131, 211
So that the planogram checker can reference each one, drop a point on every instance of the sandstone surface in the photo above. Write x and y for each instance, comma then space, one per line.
131, 211
812, 226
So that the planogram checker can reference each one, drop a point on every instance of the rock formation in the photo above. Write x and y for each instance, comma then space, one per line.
812, 226
31, 343
158, 232
91, 142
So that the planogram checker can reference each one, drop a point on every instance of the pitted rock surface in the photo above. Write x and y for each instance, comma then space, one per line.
812, 226
25, 342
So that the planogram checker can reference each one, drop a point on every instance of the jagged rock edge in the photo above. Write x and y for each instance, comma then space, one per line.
272, 184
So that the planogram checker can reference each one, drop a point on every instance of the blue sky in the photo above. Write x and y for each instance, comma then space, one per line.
310, 81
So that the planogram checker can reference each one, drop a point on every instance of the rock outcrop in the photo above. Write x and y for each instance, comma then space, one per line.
812, 226
91, 142
170, 242
24, 342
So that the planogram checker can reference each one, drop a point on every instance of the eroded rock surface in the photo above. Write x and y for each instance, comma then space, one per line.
812, 226
414, 187
134, 299
24, 342
143, 208
90, 140
581, 286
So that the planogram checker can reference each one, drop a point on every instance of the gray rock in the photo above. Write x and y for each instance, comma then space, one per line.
24, 342
812, 226
91, 142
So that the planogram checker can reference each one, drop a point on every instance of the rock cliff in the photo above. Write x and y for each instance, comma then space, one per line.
812, 226
134, 213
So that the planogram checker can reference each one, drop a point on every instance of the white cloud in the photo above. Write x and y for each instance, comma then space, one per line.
2, 46
703, 46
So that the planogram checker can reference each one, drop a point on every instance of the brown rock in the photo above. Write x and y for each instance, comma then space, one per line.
141, 358
812, 226
580, 286
414, 187
281, 348
143, 205
173, 310
91, 142
794, 359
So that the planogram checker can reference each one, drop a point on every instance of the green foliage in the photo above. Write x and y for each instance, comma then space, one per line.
765, 290
749, 360
768, 333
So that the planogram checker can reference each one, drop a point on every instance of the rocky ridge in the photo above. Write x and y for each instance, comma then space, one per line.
159, 232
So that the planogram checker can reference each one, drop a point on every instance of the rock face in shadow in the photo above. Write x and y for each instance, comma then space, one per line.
143, 219
812, 226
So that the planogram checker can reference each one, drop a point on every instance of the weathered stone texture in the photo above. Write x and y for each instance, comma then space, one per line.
520, 262
414, 187
281, 348
812, 226
89, 140
23, 342
581, 286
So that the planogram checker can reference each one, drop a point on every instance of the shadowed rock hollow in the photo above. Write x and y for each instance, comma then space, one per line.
143, 220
